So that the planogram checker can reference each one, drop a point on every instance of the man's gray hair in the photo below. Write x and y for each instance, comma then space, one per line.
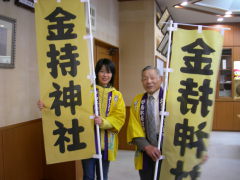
151, 67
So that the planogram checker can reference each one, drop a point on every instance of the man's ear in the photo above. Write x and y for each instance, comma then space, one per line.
161, 78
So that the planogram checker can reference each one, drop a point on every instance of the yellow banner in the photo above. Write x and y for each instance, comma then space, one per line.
190, 102
65, 90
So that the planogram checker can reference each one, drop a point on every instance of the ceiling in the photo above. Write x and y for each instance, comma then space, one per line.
202, 11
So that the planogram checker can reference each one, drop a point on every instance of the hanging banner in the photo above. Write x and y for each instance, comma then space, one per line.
65, 90
190, 102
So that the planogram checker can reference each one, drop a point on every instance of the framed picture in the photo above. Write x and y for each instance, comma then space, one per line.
163, 18
93, 17
162, 34
158, 12
7, 41
29, 4
166, 25
163, 45
160, 65
165, 50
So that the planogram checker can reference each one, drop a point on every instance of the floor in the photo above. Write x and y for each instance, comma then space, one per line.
223, 162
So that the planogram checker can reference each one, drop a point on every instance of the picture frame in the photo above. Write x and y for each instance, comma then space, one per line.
165, 50
28, 4
160, 65
158, 13
163, 19
162, 34
166, 25
93, 17
7, 42
163, 45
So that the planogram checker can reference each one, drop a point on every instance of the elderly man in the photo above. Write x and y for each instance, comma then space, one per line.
144, 123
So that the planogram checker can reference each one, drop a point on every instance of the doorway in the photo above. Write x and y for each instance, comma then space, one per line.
105, 50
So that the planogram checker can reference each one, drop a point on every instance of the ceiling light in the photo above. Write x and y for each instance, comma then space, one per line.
220, 19
227, 15
184, 3
1, 25
228, 12
177, 6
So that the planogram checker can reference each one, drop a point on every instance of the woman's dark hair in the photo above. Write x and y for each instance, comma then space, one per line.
109, 66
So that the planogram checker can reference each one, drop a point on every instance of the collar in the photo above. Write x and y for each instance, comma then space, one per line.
105, 89
155, 95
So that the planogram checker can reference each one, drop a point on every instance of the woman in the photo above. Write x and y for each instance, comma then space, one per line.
110, 120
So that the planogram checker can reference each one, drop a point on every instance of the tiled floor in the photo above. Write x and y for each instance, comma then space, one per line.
224, 157
223, 162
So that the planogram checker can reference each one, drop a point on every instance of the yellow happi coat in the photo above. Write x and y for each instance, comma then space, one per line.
135, 128
112, 111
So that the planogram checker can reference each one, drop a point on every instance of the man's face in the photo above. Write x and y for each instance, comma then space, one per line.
151, 81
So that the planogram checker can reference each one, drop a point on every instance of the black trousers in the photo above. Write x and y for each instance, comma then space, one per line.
147, 173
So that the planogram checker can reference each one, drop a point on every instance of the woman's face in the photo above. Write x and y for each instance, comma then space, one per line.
104, 76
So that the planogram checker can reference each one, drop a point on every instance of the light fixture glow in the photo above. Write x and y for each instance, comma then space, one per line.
1, 25
227, 15
177, 6
228, 12
184, 3
220, 19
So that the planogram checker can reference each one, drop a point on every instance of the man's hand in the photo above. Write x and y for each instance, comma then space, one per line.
152, 152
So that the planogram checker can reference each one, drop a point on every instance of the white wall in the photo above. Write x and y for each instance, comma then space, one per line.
107, 21
136, 45
19, 89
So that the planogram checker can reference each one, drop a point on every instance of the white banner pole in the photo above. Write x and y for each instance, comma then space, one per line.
203, 26
93, 77
170, 29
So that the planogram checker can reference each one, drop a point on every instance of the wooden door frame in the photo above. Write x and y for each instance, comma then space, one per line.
115, 57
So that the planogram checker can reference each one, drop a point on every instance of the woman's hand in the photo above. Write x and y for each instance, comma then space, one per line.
41, 105
98, 120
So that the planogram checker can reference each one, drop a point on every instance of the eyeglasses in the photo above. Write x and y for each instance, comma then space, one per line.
105, 72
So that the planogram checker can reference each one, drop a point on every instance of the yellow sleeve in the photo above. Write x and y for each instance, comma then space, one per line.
117, 113
134, 128
106, 124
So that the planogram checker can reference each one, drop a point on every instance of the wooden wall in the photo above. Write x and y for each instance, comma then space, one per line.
123, 134
1, 157
22, 155
227, 112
